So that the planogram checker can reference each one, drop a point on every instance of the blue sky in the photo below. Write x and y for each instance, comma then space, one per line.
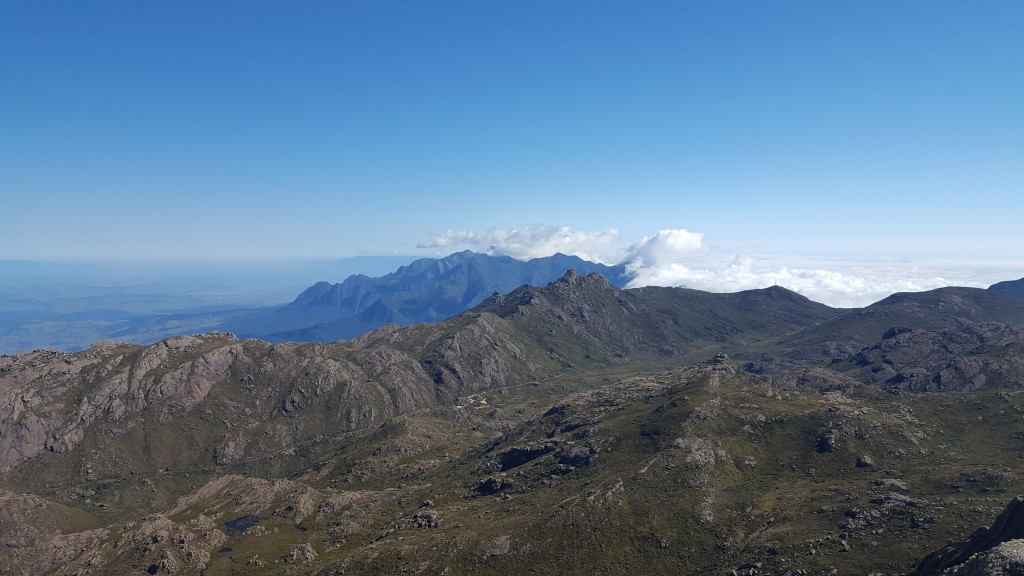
256, 130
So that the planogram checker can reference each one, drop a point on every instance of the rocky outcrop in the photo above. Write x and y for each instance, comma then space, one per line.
301, 553
702, 453
20, 516
991, 551
264, 396
184, 538
48, 400
257, 497
988, 354
427, 519
493, 485
519, 455
1006, 559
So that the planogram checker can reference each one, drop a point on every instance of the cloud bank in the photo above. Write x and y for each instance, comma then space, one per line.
665, 247
838, 282
678, 257
527, 242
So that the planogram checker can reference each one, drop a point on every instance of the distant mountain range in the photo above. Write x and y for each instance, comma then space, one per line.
431, 290
427, 290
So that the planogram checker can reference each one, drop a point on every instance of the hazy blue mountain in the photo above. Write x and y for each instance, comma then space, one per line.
427, 290
69, 305
1014, 287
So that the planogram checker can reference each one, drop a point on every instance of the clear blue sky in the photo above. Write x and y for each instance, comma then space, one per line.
185, 130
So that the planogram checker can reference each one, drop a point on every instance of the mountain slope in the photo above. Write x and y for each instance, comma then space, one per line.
848, 333
984, 354
584, 316
1014, 287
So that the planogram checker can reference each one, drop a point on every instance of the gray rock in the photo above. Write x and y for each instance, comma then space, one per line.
892, 484
977, 556
427, 519
577, 456
493, 485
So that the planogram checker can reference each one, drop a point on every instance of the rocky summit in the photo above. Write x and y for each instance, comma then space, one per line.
574, 428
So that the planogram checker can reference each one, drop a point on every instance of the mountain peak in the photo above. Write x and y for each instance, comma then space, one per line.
573, 278
775, 292
570, 277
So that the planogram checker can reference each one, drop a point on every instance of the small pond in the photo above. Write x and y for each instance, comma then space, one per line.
244, 523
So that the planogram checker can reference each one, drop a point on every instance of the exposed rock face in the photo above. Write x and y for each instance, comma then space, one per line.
301, 553
960, 359
50, 401
493, 485
577, 456
254, 495
427, 519
167, 547
520, 455
18, 519
865, 461
701, 452
1006, 559
988, 552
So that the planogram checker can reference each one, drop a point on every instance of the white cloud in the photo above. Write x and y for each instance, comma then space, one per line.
837, 282
677, 257
665, 247
528, 242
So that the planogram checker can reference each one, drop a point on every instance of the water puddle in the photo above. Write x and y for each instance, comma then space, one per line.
244, 523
